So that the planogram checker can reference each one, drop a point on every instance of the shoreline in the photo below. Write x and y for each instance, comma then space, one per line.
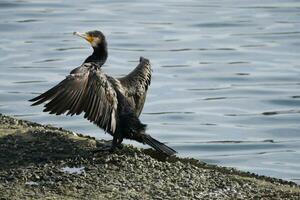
44, 162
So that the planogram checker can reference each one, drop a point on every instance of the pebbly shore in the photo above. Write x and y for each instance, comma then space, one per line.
44, 162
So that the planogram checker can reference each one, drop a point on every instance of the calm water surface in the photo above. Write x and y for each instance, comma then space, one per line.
226, 84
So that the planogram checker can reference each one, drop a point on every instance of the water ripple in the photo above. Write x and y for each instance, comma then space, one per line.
166, 113
281, 112
28, 82
225, 74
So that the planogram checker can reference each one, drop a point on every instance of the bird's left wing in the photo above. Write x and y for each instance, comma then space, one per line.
87, 90
139, 79
137, 83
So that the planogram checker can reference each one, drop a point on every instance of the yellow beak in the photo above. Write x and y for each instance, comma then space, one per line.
86, 36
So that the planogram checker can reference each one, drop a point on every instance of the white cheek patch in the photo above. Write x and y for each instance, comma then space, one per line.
96, 42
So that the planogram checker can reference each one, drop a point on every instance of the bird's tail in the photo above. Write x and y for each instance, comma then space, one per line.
133, 129
157, 145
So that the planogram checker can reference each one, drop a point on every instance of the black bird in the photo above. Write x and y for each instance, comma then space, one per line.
112, 104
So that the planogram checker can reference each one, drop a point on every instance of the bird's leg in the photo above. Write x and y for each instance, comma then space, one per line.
114, 143
117, 142
109, 146
103, 146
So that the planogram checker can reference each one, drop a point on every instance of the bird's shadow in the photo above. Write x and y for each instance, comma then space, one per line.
36, 147
32, 147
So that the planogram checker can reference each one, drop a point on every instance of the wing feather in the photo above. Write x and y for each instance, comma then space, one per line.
139, 79
87, 89
137, 83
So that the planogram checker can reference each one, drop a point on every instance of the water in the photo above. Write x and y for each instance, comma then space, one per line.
225, 89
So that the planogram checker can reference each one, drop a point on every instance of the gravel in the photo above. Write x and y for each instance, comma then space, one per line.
44, 162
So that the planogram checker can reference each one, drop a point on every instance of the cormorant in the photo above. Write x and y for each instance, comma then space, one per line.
112, 104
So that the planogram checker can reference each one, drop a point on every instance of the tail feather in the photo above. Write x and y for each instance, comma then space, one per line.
133, 129
160, 147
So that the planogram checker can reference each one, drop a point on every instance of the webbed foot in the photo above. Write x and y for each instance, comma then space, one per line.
107, 146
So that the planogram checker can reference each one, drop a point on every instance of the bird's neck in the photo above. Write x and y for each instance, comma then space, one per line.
99, 55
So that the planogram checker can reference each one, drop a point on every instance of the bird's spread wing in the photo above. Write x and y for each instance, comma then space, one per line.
139, 79
87, 90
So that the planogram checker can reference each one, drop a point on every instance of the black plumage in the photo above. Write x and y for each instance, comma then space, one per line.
112, 104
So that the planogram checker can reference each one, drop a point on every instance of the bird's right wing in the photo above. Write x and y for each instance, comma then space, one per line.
87, 90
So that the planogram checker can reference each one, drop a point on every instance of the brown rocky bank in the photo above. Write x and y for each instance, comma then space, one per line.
44, 162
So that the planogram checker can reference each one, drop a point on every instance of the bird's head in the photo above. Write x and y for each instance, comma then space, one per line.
95, 38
